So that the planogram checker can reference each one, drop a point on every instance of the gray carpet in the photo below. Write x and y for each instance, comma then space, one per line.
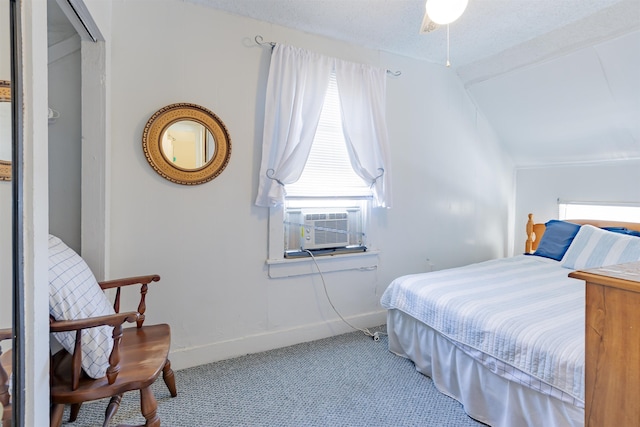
347, 380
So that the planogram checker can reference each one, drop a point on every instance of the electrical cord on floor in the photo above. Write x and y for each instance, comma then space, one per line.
375, 335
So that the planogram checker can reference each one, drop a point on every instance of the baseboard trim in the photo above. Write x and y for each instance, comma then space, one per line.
200, 355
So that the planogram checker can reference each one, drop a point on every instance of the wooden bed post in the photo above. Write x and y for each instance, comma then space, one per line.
531, 237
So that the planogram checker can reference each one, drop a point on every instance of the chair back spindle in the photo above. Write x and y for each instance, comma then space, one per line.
76, 364
114, 357
116, 304
142, 306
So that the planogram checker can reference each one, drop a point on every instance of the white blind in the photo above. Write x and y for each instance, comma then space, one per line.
328, 171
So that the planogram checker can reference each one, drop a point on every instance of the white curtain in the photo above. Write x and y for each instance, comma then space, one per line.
296, 88
362, 91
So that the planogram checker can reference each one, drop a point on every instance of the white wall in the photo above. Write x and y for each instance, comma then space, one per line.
538, 189
453, 187
35, 213
65, 149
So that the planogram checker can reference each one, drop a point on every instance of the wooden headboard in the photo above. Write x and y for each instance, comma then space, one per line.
535, 231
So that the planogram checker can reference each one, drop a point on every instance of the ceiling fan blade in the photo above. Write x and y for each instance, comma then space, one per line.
427, 25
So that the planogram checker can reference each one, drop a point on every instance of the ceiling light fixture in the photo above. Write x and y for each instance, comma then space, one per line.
444, 12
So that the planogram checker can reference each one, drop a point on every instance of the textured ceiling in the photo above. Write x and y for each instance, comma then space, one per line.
486, 29
557, 79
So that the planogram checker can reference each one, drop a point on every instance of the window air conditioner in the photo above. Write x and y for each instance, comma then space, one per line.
325, 230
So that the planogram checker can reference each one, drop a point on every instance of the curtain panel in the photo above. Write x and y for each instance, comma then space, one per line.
296, 87
362, 91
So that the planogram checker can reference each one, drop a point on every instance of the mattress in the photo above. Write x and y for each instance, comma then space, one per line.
521, 314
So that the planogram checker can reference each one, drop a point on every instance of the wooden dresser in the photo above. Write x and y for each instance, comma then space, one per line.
612, 345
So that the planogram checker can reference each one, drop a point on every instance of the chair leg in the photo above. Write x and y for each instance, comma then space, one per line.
75, 410
149, 405
57, 410
169, 378
112, 408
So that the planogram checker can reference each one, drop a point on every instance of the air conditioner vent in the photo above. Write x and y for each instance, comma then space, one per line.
325, 216
325, 230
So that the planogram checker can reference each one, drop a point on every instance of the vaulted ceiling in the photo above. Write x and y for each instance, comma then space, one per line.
557, 79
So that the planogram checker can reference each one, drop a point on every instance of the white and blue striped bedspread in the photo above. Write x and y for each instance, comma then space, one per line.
522, 310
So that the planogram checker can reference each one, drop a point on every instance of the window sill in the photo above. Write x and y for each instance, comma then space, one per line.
291, 267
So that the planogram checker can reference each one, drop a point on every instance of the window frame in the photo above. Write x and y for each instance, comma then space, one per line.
333, 204
610, 205
280, 267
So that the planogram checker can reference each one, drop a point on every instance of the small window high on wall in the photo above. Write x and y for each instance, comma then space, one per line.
625, 212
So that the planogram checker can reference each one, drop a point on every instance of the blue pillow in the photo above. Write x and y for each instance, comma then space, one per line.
556, 239
622, 230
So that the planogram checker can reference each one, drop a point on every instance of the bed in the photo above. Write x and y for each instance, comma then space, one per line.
505, 337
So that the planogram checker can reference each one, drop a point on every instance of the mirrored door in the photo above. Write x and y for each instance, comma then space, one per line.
6, 204
10, 189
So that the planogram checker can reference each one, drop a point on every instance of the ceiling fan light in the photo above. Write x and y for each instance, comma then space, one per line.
445, 11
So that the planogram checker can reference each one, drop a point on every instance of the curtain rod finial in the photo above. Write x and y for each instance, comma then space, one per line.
260, 41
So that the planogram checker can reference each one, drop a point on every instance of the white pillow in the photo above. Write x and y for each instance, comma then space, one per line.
75, 294
594, 247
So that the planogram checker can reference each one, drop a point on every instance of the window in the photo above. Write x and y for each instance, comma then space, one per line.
328, 171
326, 209
625, 212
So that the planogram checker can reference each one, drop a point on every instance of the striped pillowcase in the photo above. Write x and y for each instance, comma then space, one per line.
593, 248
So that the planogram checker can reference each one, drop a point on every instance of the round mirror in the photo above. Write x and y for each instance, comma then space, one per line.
186, 144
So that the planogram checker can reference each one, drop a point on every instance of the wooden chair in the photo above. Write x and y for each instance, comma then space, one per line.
139, 355
5, 374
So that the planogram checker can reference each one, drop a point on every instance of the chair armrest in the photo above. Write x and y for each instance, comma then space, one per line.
138, 280
115, 320
6, 334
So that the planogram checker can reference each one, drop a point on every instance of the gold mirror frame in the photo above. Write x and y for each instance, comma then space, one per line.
5, 96
165, 117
